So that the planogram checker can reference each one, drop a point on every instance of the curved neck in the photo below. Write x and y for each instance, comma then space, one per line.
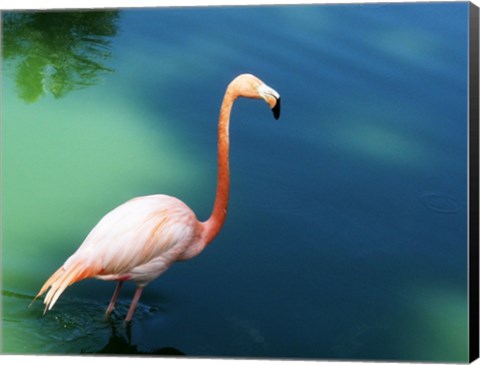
219, 213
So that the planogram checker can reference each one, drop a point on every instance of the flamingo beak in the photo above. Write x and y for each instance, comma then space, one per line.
272, 98
276, 109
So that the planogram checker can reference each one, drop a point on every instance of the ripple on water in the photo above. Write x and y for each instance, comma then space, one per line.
439, 202
73, 326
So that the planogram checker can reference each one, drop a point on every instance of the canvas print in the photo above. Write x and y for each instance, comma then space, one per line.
240, 181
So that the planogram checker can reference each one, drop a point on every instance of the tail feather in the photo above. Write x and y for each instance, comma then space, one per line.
48, 283
61, 279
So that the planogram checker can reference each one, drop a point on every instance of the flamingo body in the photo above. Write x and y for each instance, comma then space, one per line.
141, 238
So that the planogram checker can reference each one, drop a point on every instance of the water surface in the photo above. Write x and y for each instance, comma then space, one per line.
346, 234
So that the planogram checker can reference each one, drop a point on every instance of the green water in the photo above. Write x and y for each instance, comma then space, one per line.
346, 234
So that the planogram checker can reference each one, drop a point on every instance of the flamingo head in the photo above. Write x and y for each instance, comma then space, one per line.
249, 86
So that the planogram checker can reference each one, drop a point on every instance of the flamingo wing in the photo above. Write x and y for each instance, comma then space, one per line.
143, 229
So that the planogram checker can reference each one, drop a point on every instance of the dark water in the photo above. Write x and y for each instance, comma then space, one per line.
346, 234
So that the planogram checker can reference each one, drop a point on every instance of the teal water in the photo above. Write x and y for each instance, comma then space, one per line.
346, 234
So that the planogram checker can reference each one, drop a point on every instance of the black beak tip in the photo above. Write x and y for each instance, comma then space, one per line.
276, 109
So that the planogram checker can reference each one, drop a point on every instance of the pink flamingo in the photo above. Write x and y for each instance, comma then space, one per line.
141, 238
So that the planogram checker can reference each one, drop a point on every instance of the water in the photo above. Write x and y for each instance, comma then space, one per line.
346, 234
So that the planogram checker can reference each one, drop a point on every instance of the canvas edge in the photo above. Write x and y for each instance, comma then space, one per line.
473, 111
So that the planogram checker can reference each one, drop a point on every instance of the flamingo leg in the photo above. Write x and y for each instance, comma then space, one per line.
114, 298
135, 299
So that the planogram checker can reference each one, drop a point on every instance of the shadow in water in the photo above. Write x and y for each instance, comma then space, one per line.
118, 344
57, 52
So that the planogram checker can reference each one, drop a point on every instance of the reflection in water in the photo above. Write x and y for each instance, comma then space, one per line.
57, 52
118, 344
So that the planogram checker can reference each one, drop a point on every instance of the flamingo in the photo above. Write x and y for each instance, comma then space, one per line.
142, 238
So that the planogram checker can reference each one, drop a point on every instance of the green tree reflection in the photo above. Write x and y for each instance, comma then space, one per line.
57, 52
